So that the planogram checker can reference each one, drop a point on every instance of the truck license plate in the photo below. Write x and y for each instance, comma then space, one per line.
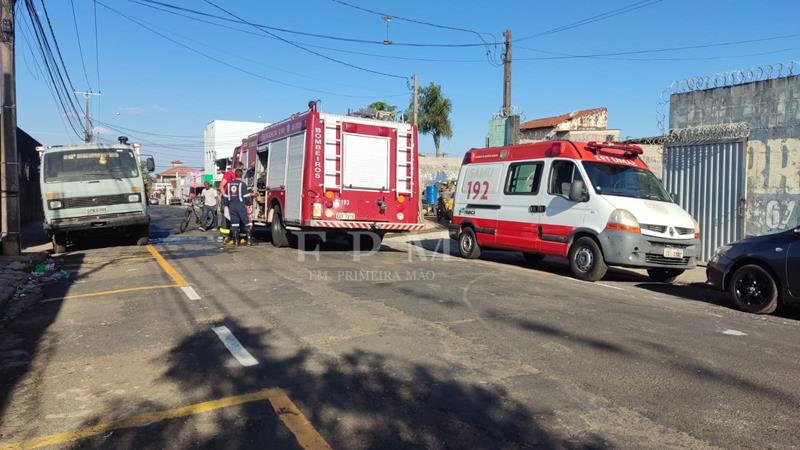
97, 210
673, 252
345, 216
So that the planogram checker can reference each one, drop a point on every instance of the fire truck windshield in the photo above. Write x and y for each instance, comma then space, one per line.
625, 181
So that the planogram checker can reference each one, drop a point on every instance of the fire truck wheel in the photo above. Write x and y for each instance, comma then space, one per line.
586, 260
279, 234
468, 244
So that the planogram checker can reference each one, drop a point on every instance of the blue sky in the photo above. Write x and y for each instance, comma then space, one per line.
151, 84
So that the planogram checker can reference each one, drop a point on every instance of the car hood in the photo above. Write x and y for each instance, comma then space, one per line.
652, 212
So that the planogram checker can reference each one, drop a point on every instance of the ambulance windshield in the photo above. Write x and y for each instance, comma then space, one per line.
625, 181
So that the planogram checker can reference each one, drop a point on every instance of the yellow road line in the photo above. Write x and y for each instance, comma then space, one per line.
179, 280
112, 291
307, 437
291, 416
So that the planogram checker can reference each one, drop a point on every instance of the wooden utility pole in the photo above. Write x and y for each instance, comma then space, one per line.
9, 158
415, 102
87, 122
507, 76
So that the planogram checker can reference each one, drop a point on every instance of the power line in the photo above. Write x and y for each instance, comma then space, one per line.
80, 47
558, 55
303, 33
313, 52
229, 65
596, 18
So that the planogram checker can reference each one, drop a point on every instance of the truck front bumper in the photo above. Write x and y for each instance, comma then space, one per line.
105, 221
622, 248
376, 226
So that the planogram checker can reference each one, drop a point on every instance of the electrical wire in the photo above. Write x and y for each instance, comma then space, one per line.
596, 18
55, 70
313, 52
229, 65
80, 47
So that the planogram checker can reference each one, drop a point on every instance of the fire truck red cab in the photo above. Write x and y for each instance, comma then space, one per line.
323, 172
597, 204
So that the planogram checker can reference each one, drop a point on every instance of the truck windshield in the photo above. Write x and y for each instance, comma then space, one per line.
625, 181
91, 164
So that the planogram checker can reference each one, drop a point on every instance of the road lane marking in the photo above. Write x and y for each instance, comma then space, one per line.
167, 267
594, 283
292, 417
110, 292
190, 292
234, 346
730, 332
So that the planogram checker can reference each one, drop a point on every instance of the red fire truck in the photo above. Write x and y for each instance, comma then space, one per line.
322, 172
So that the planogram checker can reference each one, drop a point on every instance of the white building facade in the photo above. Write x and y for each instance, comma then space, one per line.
221, 137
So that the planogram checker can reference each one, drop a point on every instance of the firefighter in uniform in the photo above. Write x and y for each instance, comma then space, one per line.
237, 196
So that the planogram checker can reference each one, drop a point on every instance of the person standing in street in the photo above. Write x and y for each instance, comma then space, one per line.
210, 202
237, 197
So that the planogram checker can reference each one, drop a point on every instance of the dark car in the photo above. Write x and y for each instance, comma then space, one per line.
759, 272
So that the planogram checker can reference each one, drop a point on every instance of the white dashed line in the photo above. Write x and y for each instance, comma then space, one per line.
190, 293
597, 284
234, 346
730, 332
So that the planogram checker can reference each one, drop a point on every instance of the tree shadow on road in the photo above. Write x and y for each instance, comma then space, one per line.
358, 400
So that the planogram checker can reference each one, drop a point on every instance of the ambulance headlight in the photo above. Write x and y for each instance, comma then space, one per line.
623, 220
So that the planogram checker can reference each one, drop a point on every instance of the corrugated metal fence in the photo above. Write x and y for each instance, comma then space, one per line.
709, 180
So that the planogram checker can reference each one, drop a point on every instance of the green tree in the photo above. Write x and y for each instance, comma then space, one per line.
382, 106
434, 114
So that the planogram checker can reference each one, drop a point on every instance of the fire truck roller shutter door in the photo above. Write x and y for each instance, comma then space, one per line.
366, 162
294, 178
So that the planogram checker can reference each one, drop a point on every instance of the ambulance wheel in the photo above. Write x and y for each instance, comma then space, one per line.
468, 244
280, 236
59, 243
586, 260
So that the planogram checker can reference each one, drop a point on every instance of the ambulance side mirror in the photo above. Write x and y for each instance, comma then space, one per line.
578, 192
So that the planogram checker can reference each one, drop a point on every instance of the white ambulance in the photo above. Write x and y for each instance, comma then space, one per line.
596, 204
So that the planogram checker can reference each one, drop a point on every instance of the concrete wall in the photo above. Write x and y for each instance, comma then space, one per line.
771, 109
577, 135
653, 156
432, 169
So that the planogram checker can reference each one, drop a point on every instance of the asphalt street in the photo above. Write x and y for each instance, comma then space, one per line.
191, 344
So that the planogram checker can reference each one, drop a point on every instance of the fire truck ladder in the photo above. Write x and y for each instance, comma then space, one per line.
333, 156
405, 162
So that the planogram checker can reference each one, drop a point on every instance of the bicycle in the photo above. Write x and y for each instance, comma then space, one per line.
205, 220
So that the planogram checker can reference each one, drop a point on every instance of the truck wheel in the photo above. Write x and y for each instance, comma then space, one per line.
468, 244
586, 260
143, 234
754, 290
279, 234
664, 275
59, 243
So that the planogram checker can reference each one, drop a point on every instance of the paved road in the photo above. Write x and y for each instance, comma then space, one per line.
189, 345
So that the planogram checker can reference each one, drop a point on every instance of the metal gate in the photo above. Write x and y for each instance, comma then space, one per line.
709, 180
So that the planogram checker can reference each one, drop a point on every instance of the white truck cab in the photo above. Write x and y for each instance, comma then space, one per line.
94, 188
596, 204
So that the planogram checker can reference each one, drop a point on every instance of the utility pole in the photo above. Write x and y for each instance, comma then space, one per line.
87, 122
9, 165
507, 75
415, 102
